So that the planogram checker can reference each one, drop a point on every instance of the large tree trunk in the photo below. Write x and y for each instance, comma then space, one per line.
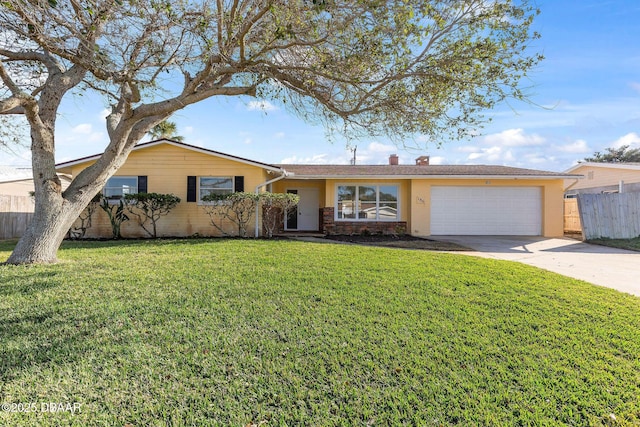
45, 233
54, 212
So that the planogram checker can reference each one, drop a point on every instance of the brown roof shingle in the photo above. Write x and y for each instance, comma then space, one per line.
355, 171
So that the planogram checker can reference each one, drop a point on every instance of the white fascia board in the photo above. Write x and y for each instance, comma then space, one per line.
628, 166
452, 177
181, 145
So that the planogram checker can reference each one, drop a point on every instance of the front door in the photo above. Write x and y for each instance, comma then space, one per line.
305, 216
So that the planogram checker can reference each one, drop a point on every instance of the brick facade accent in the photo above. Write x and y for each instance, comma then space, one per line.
330, 226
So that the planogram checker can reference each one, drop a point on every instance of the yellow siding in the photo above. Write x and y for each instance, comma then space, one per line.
553, 208
602, 176
284, 185
415, 198
167, 167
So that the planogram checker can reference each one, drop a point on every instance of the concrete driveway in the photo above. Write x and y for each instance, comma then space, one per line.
614, 268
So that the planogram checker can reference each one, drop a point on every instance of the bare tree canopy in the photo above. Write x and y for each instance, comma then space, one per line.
394, 68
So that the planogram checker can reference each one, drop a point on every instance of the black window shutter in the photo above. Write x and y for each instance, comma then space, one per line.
238, 183
142, 184
191, 189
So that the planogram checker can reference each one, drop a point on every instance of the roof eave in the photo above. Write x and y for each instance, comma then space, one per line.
94, 157
496, 177
621, 165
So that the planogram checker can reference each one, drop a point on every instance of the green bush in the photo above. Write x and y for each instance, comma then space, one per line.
238, 208
116, 214
273, 207
79, 228
149, 207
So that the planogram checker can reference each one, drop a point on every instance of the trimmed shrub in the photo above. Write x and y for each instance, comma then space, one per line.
148, 208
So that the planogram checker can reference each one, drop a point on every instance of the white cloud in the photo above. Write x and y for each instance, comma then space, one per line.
635, 86
376, 147
493, 154
279, 135
537, 159
577, 147
96, 137
437, 160
315, 159
83, 129
15, 158
104, 113
513, 138
631, 139
188, 130
468, 149
261, 106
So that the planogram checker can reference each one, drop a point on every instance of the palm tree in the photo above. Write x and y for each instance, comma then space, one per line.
165, 129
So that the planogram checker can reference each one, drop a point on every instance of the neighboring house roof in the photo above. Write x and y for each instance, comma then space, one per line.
13, 174
426, 171
605, 177
619, 165
177, 144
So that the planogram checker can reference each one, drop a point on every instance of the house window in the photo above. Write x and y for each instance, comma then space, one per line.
367, 202
118, 186
215, 185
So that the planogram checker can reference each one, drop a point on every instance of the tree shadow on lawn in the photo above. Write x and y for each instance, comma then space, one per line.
20, 281
41, 339
161, 241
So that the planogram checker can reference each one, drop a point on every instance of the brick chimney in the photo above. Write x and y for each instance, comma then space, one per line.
393, 159
422, 161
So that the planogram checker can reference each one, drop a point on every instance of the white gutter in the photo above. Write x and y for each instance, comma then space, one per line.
284, 175
448, 177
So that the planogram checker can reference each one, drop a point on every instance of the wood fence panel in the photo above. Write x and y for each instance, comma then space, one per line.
15, 214
613, 216
571, 216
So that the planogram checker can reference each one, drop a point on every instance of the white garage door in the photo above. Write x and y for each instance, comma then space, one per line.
486, 211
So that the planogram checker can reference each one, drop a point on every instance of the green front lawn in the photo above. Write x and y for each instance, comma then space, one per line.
274, 333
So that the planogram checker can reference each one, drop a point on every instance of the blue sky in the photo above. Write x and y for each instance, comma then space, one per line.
586, 96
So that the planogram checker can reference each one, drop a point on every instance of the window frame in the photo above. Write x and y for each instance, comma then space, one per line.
357, 202
199, 187
115, 199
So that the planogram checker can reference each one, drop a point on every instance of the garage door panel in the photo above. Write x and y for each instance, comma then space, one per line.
486, 210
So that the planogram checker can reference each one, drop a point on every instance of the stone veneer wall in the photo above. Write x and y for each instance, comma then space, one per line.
330, 226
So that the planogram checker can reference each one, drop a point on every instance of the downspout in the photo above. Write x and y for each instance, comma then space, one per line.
576, 180
264, 184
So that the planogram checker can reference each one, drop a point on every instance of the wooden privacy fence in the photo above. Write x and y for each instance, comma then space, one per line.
613, 216
571, 216
15, 214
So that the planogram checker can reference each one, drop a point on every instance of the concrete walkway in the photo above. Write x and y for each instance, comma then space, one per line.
614, 268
